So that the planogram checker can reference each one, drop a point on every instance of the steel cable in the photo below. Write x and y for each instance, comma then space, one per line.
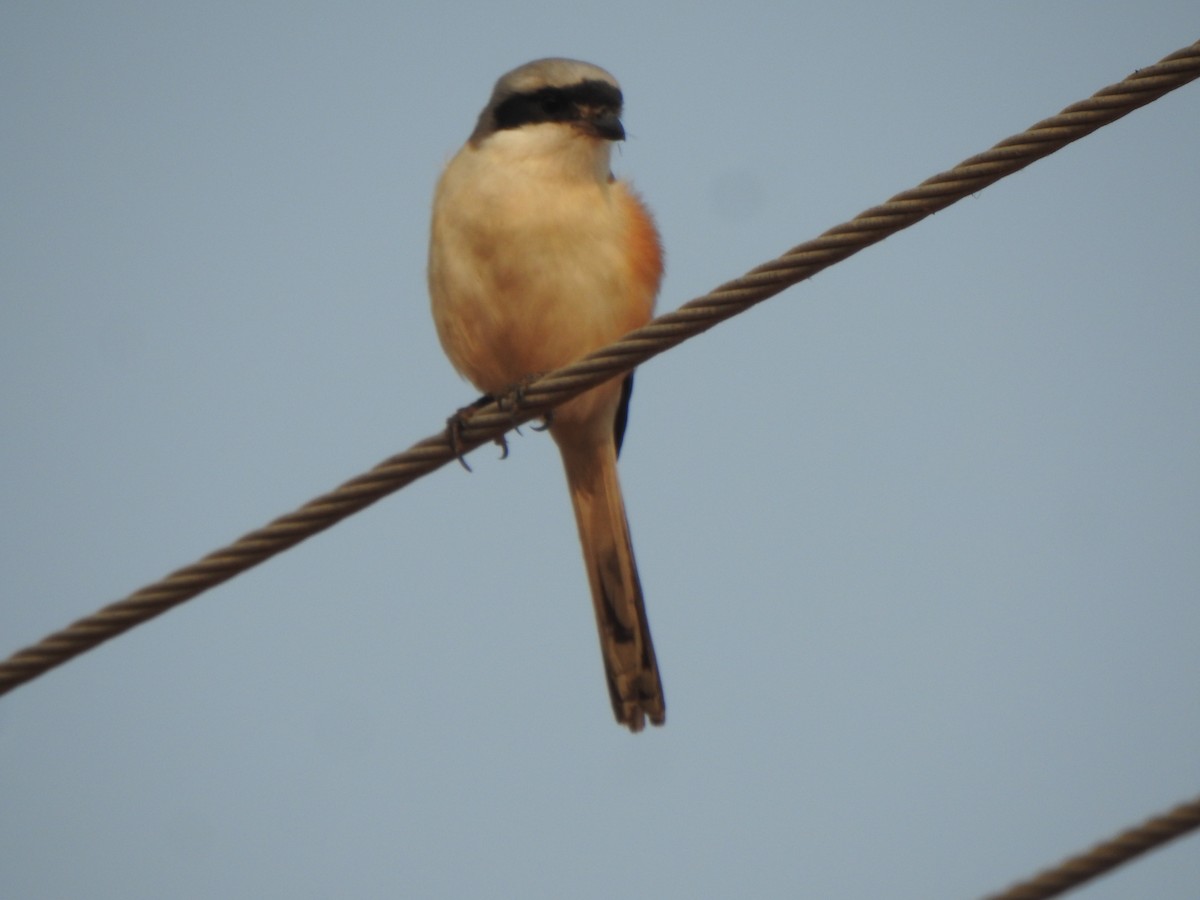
1105, 857
492, 421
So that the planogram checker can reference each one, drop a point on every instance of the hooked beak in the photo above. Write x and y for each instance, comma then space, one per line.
604, 124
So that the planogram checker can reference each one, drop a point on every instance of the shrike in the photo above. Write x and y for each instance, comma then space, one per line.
538, 256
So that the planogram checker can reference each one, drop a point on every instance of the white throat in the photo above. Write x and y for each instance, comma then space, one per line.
553, 150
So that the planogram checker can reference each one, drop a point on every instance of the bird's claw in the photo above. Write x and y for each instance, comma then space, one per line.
514, 399
458, 421
511, 400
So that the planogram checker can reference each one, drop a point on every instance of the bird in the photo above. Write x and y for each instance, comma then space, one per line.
538, 255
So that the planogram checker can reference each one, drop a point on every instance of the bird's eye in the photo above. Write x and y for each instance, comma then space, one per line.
555, 105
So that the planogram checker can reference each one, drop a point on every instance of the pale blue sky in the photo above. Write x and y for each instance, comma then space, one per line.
918, 538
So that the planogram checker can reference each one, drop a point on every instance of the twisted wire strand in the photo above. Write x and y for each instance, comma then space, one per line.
492, 421
1106, 856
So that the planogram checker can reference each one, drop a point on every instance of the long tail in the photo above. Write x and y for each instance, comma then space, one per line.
629, 663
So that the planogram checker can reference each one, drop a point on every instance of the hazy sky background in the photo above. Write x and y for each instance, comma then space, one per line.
920, 539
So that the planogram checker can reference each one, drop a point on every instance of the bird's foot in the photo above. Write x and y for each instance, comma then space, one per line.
514, 399
458, 421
